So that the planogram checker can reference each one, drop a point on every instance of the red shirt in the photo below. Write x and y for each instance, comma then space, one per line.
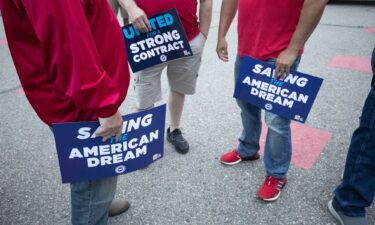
187, 10
265, 27
69, 55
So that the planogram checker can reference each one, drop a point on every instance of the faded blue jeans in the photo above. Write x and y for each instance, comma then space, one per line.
90, 201
357, 189
278, 149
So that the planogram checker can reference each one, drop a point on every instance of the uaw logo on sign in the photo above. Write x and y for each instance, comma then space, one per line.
165, 42
290, 98
83, 156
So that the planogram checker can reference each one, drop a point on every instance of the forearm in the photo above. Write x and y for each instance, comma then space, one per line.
205, 16
227, 13
311, 13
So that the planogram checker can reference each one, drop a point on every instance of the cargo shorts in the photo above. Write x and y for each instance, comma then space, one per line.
182, 76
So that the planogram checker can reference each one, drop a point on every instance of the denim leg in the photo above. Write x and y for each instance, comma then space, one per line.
278, 148
358, 186
251, 122
90, 201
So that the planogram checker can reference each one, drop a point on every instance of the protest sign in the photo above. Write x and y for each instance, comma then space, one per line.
167, 41
83, 156
290, 98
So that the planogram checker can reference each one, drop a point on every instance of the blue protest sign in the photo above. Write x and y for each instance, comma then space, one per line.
290, 98
167, 41
83, 156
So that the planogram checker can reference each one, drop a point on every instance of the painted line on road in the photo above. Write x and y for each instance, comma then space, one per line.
361, 64
370, 30
307, 144
3, 42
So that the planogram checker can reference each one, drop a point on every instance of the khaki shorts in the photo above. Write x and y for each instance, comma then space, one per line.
116, 7
182, 76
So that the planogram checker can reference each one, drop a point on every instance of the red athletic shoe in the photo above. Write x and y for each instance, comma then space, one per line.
232, 158
271, 189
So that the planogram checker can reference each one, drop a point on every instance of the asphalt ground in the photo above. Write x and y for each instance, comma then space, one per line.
195, 188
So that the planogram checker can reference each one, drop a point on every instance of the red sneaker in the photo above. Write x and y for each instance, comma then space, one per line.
232, 158
271, 189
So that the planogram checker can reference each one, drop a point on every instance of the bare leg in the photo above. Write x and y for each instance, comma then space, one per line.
175, 105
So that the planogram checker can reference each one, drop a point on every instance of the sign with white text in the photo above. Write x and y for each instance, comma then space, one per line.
165, 42
83, 156
290, 98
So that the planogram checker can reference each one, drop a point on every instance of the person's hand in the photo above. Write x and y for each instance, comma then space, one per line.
222, 49
110, 126
284, 62
139, 19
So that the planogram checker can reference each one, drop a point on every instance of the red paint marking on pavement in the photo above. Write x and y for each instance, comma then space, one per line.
3, 42
370, 30
307, 144
361, 64
20, 91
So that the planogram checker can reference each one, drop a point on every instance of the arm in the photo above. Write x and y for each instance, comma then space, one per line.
205, 16
228, 11
72, 60
311, 13
136, 15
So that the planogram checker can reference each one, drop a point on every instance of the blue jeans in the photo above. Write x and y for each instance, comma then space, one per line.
358, 185
91, 199
278, 149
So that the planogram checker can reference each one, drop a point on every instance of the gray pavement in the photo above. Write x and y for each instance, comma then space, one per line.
195, 188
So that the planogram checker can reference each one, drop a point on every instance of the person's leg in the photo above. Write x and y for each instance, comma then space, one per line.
90, 201
277, 152
356, 191
278, 148
248, 147
251, 123
175, 105
182, 78
147, 86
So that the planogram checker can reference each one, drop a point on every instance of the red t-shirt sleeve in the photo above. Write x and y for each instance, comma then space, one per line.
71, 56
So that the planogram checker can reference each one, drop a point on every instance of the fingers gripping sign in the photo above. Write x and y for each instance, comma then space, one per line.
284, 62
110, 126
139, 19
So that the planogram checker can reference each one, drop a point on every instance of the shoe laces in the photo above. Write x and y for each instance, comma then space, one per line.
177, 135
273, 182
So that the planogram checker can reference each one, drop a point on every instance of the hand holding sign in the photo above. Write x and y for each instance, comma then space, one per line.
284, 62
290, 98
165, 41
84, 156
110, 126
139, 18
